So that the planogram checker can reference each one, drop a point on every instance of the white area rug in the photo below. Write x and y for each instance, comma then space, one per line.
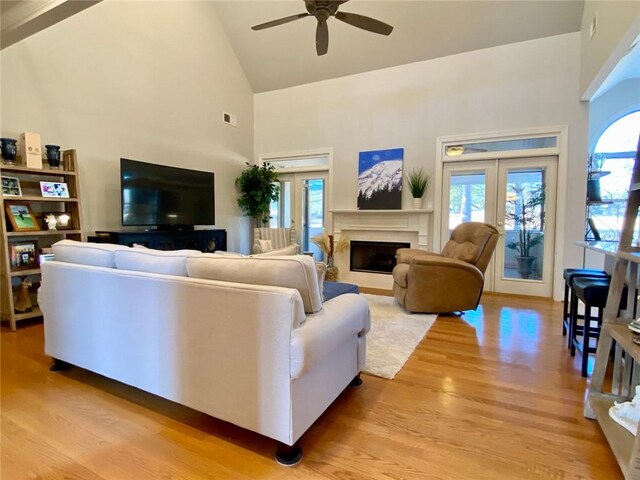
394, 335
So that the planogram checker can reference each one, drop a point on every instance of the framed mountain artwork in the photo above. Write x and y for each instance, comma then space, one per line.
380, 179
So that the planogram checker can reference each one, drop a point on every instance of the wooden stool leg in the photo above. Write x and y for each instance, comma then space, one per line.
565, 309
586, 329
573, 324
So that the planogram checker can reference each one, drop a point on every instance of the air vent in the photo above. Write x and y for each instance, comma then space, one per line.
229, 119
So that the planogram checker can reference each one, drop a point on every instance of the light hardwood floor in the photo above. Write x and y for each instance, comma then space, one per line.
491, 395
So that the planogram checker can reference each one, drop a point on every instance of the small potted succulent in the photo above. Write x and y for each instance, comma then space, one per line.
418, 182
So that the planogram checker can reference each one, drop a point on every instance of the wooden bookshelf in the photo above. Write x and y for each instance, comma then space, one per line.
44, 238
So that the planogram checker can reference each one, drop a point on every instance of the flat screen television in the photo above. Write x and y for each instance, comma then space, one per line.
165, 197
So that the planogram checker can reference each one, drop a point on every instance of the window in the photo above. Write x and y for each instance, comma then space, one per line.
610, 170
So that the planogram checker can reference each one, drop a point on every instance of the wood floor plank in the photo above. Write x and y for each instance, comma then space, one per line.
492, 394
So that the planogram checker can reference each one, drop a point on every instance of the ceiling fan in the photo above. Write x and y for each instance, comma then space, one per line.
322, 10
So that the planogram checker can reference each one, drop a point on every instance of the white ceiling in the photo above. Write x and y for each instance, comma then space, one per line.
285, 56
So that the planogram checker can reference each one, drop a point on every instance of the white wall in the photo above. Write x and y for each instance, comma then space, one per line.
618, 25
523, 85
142, 80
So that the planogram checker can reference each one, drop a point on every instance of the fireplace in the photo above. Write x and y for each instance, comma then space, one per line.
390, 227
374, 257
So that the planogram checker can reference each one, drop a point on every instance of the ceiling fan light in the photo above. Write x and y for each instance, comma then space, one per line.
454, 150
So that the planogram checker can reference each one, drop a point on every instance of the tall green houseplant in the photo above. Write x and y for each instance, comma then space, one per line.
258, 188
527, 215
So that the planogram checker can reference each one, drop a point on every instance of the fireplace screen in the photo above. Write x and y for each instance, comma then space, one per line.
374, 257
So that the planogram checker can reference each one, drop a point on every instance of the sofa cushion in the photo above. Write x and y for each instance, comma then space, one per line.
292, 271
173, 262
290, 250
321, 270
83, 253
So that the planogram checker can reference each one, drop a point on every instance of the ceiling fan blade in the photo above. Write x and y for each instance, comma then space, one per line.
366, 23
322, 38
280, 21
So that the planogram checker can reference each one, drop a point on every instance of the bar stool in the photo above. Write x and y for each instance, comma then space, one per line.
593, 293
569, 275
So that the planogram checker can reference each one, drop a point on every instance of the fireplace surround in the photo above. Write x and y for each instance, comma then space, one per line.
374, 257
408, 227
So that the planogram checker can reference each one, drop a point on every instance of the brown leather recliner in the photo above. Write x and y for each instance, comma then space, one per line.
451, 281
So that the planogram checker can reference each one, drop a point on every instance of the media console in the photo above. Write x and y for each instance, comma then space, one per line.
203, 240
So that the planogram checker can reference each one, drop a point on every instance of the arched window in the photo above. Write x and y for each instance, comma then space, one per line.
610, 169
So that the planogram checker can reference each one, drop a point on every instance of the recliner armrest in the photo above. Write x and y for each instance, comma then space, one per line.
405, 255
431, 261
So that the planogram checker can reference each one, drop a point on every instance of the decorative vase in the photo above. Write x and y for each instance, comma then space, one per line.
525, 266
417, 203
332, 270
53, 156
9, 150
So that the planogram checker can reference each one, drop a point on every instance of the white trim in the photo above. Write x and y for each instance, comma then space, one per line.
561, 150
319, 152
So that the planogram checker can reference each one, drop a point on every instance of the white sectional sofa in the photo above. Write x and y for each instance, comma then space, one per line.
245, 340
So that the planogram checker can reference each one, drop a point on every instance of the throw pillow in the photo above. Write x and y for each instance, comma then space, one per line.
265, 245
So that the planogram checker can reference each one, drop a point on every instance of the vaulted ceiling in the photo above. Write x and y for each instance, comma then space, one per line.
285, 55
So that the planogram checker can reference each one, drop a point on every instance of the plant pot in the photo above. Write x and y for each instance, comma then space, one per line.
417, 203
525, 266
593, 190
9, 150
53, 156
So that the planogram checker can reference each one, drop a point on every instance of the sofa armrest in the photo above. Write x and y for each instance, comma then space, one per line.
344, 317
405, 255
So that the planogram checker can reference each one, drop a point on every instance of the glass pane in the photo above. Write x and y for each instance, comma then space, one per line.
280, 210
313, 197
501, 146
524, 224
610, 170
466, 198
299, 162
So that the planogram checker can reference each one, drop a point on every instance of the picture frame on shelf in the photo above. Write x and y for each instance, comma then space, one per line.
23, 255
54, 189
21, 217
58, 220
11, 187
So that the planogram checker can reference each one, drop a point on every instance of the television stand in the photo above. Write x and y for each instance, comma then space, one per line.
203, 240
171, 228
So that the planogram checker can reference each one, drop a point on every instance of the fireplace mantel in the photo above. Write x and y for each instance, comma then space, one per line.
408, 220
411, 226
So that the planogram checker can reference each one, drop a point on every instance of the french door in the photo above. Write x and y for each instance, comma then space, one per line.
518, 196
303, 206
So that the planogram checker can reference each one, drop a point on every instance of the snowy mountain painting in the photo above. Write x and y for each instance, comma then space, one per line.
380, 180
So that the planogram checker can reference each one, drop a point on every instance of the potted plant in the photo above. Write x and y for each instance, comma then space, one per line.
330, 248
524, 210
258, 188
418, 181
